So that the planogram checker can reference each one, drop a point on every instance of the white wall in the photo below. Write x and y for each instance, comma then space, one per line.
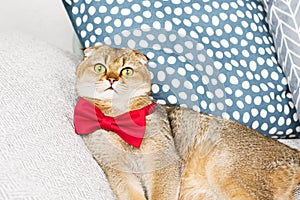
44, 19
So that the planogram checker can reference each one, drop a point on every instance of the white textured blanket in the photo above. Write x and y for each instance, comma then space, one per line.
40, 156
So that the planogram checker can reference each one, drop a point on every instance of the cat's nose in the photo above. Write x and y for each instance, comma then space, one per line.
112, 77
111, 80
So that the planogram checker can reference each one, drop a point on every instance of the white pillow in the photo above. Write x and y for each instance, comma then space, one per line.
40, 156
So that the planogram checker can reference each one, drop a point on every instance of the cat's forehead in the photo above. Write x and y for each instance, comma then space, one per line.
114, 56
113, 52
106, 53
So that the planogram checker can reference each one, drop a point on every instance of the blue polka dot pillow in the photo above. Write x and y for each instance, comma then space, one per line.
212, 56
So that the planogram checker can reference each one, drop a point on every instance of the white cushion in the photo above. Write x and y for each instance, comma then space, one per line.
40, 156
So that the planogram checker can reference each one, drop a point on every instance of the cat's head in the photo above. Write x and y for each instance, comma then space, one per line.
108, 73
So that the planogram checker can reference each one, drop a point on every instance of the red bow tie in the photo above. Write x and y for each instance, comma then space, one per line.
129, 126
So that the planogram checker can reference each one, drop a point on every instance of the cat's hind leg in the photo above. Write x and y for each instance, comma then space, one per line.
242, 184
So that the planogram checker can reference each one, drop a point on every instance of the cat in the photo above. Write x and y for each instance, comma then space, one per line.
226, 160
184, 154
118, 81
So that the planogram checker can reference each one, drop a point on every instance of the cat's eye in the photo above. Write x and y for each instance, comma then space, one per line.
127, 72
100, 69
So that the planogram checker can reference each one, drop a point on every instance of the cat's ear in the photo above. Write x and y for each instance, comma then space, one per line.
87, 52
143, 58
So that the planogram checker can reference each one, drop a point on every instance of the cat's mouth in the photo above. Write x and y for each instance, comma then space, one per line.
111, 88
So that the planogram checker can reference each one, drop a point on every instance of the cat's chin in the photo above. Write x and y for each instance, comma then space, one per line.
107, 95
112, 95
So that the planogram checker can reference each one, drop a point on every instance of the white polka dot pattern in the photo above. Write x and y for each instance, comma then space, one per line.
212, 56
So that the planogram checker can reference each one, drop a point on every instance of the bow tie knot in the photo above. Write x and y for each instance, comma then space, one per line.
129, 126
107, 124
